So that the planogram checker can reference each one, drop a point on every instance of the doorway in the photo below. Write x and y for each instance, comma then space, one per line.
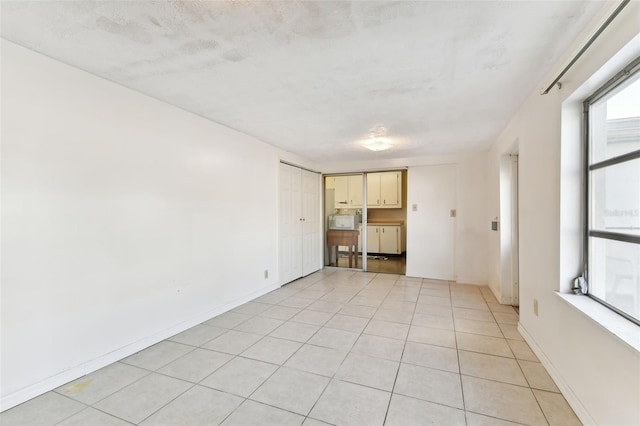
343, 208
365, 216
508, 230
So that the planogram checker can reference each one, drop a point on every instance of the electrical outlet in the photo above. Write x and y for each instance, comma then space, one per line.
266, 274
414, 207
535, 307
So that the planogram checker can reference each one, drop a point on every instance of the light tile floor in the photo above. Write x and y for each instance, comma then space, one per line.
336, 347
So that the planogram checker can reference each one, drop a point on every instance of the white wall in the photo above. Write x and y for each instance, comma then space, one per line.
472, 222
598, 373
124, 221
433, 193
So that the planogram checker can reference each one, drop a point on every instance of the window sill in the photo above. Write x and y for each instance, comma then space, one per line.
623, 329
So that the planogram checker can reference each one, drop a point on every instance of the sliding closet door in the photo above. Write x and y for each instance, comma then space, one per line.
290, 262
300, 223
311, 225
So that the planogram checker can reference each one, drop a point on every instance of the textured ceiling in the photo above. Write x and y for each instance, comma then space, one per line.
312, 77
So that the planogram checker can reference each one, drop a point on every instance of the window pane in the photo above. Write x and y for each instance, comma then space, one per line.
615, 122
615, 198
614, 274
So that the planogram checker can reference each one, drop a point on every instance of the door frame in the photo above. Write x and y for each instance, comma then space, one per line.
515, 238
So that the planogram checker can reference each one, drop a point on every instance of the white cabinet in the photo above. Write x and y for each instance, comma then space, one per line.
391, 189
387, 239
355, 190
348, 191
373, 239
373, 189
341, 194
384, 190
390, 239
300, 223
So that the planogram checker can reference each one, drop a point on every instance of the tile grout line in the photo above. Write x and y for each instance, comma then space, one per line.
283, 366
247, 398
71, 415
395, 379
333, 376
519, 367
371, 319
464, 404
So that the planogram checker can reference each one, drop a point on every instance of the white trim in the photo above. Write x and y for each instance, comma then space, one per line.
472, 281
53, 382
575, 403
613, 323
506, 300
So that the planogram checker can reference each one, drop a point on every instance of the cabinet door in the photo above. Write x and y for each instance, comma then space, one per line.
390, 189
373, 239
390, 239
373, 189
341, 195
355, 190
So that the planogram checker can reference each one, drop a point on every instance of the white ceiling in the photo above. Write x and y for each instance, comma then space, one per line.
312, 77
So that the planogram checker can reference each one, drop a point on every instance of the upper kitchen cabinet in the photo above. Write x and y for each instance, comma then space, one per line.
384, 190
348, 191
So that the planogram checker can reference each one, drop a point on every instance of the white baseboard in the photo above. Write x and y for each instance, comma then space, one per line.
506, 300
57, 380
566, 390
495, 292
464, 280
502, 299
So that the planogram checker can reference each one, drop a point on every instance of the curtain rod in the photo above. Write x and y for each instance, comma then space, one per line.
587, 45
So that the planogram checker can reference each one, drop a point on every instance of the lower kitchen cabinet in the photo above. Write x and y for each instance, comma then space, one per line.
385, 239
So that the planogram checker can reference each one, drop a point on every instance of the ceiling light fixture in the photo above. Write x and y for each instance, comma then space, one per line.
377, 140
377, 144
377, 131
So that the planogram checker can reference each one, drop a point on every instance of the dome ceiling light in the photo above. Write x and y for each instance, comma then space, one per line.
378, 140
